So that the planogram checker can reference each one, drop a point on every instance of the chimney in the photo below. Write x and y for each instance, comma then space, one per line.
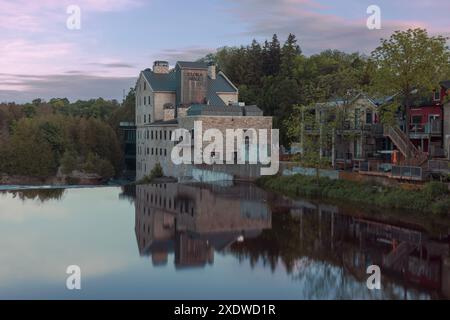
161, 67
212, 71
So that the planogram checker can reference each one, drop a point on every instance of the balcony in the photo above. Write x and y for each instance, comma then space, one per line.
431, 128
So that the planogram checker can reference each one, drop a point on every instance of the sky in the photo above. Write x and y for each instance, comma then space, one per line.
41, 57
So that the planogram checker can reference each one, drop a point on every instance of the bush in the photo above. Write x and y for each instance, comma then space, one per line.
157, 172
102, 167
433, 198
435, 190
69, 162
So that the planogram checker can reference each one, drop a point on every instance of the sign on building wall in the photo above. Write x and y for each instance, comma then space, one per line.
193, 86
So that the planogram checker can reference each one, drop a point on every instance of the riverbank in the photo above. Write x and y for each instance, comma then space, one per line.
81, 180
433, 198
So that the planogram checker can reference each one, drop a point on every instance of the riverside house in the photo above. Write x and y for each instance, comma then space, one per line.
345, 130
348, 132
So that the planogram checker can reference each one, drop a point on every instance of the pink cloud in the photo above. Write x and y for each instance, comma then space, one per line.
35, 16
316, 28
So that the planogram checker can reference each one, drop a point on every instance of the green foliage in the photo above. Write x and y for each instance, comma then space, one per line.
69, 162
410, 60
277, 77
433, 198
156, 172
126, 112
434, 190
95, 164
388, 113
38, 146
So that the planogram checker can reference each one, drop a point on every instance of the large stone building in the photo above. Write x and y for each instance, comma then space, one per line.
167, 99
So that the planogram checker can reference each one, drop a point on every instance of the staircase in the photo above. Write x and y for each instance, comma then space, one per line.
396, 257
414, 157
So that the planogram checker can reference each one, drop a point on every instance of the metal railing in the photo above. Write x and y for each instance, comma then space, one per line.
392, 171
407, 172
439, 165
431, 127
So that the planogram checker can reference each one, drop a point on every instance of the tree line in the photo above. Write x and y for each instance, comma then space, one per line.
277, 77
40, 139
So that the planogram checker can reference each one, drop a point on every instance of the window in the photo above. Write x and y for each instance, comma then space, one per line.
160, 152
416, 119
357, 117
368, 117
437, 96
145, 101
145, 118
165, 152
149, 119
152, 134
160, 134
149, 103
165, 135
145, 86
148, 151
152, 151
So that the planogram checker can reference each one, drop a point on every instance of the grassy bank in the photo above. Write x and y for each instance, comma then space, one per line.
434, 198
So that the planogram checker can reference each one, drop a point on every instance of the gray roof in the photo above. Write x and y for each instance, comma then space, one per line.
253, 110
161, 81
192, 64
168, 82
220, 84
338, 102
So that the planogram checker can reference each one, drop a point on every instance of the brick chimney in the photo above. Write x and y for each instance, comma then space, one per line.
161, 67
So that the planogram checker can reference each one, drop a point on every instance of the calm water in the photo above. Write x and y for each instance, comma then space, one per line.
174, 241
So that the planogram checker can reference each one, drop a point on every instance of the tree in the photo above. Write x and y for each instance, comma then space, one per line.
410, 60
289, 54
272, 57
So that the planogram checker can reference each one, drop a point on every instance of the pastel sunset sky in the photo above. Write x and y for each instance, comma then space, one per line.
41, 57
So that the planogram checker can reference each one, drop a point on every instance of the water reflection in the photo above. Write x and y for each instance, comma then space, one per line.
193, 221
407, 256
42, 195
238, 241
318, 241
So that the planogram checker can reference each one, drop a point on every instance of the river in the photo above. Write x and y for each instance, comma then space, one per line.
198, 241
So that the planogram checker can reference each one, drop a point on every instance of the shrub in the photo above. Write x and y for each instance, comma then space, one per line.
434, 190
433, 198
156, 172
69, 162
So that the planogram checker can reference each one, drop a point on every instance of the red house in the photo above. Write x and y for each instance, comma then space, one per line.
426, 124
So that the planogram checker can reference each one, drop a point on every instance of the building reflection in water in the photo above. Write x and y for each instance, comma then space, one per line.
193, 221
407, 255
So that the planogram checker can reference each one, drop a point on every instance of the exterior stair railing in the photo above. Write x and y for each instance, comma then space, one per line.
414, 157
